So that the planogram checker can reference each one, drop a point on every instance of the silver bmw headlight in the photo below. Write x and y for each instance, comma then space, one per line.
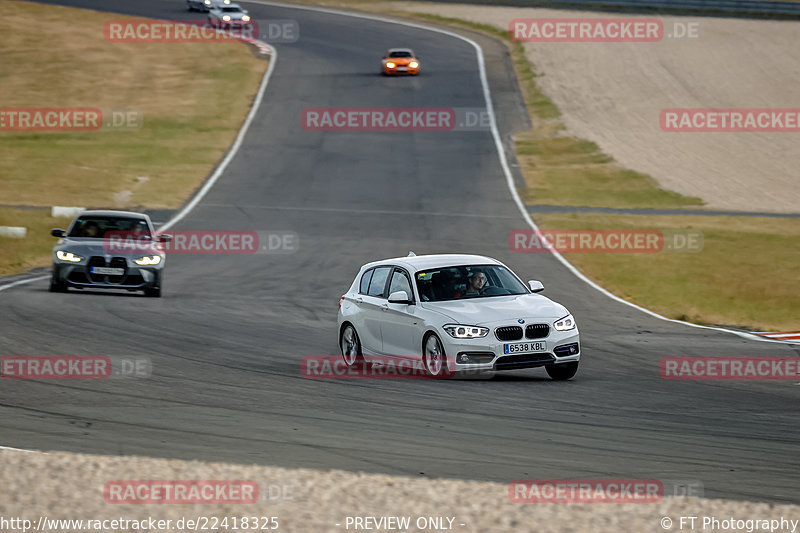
68, 257
565, 324
148, 260
459, 331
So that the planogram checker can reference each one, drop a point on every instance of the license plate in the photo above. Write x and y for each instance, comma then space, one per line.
525, 347
402, 68
108, 271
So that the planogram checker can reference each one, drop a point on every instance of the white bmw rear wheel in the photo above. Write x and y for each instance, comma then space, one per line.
350, 345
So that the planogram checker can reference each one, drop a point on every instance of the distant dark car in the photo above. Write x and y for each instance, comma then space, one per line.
109, 250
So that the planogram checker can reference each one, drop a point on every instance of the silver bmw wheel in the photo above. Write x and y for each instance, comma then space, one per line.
433, 355
350, 345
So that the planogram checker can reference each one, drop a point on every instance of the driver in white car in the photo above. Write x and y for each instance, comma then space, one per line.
476, 283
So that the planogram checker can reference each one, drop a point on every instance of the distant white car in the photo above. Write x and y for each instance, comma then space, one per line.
204, 5
227, 15
456, 313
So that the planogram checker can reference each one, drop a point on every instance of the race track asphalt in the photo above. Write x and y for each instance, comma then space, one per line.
227, 338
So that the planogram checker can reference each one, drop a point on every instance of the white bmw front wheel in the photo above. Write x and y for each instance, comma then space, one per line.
433, 356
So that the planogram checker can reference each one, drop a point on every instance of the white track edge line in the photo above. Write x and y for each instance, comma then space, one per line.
23, 282
234, 148
9, 448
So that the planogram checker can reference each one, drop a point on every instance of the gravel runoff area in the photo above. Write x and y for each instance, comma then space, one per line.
71, 486
613, 93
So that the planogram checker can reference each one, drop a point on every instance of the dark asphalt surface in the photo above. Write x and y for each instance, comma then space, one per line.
227, 338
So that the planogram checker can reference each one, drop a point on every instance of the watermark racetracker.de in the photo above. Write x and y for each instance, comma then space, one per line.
385, 367
382, 367
74, 367
198, 31
69, 119
721, 368
606, 241
387, 119
237, 242
164, 492
597, 30
601, 490
727, 120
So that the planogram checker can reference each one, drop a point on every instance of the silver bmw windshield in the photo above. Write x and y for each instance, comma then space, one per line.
100, 227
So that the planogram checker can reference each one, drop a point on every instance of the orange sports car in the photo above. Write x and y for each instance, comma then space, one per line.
400, 61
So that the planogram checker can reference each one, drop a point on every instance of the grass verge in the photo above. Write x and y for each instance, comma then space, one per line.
19, 255
745, 275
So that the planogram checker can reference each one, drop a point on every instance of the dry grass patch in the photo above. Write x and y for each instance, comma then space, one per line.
193, 97
746, 274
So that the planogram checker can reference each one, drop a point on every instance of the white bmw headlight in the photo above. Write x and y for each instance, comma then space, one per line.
69, 257
148, 260
565, 323
226, 17
459, 331
246, 18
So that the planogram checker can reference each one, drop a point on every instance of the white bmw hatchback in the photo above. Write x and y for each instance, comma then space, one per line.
457, 313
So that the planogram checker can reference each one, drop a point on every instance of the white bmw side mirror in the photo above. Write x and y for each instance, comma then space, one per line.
399, 297
536, 286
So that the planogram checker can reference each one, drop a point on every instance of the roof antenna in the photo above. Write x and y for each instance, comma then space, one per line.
411, 254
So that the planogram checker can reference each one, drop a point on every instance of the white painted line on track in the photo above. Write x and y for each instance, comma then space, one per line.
23, 282
9, 448
234, 149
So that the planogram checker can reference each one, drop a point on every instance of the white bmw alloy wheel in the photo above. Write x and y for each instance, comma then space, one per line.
433, 355
350, 345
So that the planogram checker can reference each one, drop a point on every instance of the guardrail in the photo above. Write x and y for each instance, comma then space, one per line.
769, 9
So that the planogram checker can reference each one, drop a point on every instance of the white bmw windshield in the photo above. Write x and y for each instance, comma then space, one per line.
469, 281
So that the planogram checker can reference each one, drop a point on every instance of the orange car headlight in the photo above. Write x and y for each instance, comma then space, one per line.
390, 65
413, 64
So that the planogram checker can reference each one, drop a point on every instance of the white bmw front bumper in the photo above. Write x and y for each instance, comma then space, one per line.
499, 351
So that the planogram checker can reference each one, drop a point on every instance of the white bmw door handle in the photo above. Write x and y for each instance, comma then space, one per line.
385, 307
360, 300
